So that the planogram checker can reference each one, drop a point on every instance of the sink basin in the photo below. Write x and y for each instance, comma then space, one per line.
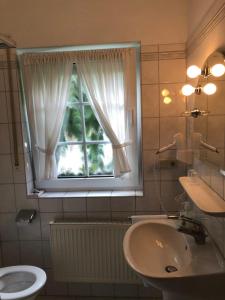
173, 262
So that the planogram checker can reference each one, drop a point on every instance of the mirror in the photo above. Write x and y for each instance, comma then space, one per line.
211, 126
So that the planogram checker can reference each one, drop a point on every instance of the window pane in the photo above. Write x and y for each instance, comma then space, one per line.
72, 125
100, 159
74, 93
70, 160
84, 95
94, 131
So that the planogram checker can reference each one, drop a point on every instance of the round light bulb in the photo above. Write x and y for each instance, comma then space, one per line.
217, 70
167, 100
165, 92
187, 90
193, 71
209, 89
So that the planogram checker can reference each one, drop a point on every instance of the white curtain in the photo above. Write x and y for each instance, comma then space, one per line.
46, 82
104, 76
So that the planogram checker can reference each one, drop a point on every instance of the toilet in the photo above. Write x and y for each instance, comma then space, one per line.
21, 282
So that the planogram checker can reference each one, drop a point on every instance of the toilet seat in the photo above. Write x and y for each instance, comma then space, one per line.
39, 280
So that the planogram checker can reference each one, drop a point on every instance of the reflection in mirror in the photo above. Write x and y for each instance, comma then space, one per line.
212, 126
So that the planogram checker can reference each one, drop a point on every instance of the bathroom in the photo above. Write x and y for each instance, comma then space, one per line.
172, 34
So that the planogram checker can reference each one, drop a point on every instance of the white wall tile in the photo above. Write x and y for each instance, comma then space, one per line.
10, 253
50, 204
178, 104
4, 139
8, 228
172, 71
6, 175
45, 219
31, 231
98, 204
22, 202
150, 100
150, 201
149, 72
122, 203
150, 133
31, 253
74, 204
3, 110
7, 198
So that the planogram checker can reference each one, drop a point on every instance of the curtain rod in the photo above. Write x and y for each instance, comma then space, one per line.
79, 47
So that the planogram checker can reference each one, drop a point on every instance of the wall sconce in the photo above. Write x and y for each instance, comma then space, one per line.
208, 89
216, 70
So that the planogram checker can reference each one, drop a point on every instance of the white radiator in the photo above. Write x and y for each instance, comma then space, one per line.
89, 252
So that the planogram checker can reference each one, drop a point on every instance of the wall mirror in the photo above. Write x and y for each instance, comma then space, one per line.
211, 125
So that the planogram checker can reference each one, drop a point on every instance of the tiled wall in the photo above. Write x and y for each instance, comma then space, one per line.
163, 66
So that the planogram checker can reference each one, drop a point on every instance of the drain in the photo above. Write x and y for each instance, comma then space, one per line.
170, 269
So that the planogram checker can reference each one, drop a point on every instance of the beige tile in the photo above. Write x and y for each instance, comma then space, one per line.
50, 205
151, 200
150, 100
149, 48
19, 171
149, 72
6, 175
169, 126
98, 204
150, 133
74, 204
8, 227
200, 125
151, 165
170, 167
216, 102
172, 47
45, 227
31, 231
53, 287
3, 110
16, 106
217, 181
178, 102
171, 198
10, 253
216, 129
172, 71
4, 139
7, 198
122, 203
22, 202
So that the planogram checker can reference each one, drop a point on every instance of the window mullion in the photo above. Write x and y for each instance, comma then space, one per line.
83, 130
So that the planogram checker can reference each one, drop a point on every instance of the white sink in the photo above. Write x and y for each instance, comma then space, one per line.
173, 262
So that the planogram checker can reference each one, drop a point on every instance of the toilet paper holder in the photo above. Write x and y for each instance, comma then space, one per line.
25, 216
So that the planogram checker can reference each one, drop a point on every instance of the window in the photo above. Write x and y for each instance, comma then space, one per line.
84, 115
82, 137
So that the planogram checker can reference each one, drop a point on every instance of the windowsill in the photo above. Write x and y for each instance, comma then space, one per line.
85, 194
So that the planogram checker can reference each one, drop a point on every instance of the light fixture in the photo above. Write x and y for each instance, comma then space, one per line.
193, 71
187, 90
208, 89
217, 70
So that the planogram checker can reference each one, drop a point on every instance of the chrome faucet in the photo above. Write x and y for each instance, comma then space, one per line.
196, 229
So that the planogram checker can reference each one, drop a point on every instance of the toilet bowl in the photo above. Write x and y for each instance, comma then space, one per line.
21, 282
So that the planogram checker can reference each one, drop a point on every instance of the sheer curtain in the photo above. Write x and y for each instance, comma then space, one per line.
103, 73
46, 83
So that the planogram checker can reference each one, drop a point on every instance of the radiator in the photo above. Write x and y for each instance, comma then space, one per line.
89, 252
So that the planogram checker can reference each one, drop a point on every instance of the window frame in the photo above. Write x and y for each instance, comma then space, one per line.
96, 183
